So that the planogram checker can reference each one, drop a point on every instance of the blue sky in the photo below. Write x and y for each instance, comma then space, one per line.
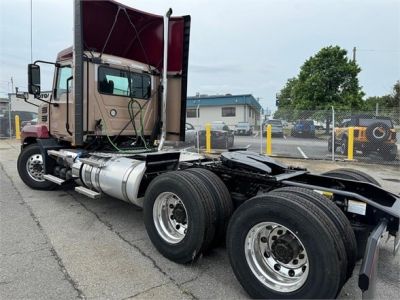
250, 46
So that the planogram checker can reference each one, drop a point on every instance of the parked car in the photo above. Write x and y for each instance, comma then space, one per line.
371, 134
243, 128
221, 136
277, 127
31, 122
190, 134
303, 128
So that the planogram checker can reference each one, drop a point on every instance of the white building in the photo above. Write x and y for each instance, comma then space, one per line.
230, 109
18, 104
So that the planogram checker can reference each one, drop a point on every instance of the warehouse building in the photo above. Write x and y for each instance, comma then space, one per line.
230, 109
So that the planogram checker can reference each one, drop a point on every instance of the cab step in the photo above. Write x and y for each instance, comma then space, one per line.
87, 192
54, 179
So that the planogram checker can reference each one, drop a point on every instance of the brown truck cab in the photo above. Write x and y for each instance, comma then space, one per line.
116, 87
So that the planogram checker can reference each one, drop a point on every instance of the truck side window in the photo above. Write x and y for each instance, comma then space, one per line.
63, 74
121, 82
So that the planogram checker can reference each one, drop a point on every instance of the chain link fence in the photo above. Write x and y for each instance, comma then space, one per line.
365, 136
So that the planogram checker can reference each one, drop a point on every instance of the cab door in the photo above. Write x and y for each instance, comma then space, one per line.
58, 124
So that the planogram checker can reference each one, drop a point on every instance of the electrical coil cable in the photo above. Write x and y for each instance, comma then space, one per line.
123, 150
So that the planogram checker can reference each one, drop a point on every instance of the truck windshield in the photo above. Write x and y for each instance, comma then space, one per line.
116, 82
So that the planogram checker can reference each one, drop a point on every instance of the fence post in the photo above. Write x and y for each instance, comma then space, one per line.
268, 147
9, 119
17, 128
350, 145
261, 133
333, 134
208, 138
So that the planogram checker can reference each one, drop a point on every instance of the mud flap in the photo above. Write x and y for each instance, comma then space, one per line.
369, 267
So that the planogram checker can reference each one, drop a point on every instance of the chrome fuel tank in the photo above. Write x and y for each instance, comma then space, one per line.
119, 177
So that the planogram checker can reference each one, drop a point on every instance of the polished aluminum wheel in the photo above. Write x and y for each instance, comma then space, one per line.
276, 257
35, 167
170, 217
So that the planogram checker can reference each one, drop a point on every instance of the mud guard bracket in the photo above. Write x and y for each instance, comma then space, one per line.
369, 266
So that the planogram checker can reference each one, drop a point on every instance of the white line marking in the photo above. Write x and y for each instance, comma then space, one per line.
248, 146
302, 153
284, 137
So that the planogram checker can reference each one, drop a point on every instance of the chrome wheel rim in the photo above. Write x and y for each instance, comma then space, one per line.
35, 168
170, 217
266, 250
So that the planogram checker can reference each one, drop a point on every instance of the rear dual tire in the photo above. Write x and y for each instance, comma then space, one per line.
304, 225
186, 213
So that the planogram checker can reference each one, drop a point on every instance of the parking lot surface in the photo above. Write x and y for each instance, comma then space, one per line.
305, 148
59, 244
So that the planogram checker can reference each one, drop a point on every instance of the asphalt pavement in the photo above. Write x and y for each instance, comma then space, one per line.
61, 245
304, 148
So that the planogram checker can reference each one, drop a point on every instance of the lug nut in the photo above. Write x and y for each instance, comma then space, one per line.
172, 217
301, 256
263, 239
280, 232
171, 206
304, 268
277, 267
295, 261
266, 254
177, 226
291, 273
274, 238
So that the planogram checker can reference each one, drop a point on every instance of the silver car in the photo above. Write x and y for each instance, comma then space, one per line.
190, 134
277, 127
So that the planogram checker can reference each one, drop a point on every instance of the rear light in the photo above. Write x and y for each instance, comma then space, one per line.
394, 136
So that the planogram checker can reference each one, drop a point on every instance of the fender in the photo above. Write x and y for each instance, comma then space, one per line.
30, 133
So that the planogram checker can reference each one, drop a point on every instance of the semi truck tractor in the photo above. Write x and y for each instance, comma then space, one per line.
120, 92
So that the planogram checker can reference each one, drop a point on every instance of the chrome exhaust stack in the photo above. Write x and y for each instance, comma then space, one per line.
165, 81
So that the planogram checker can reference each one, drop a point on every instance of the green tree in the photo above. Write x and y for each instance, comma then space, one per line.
390, 103
329, 78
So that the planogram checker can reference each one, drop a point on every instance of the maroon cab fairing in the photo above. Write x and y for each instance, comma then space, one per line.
113, 28
38, 131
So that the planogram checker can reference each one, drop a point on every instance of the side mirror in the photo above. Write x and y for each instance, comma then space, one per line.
34, 79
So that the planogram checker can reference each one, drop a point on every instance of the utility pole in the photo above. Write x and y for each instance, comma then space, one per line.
31, 33
12, 85
354, 54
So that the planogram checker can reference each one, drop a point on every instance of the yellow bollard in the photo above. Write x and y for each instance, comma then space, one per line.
17, 128
208, 138
350, 145
268, 146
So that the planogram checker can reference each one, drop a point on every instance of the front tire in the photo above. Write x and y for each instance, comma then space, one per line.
318, 269
31, 168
